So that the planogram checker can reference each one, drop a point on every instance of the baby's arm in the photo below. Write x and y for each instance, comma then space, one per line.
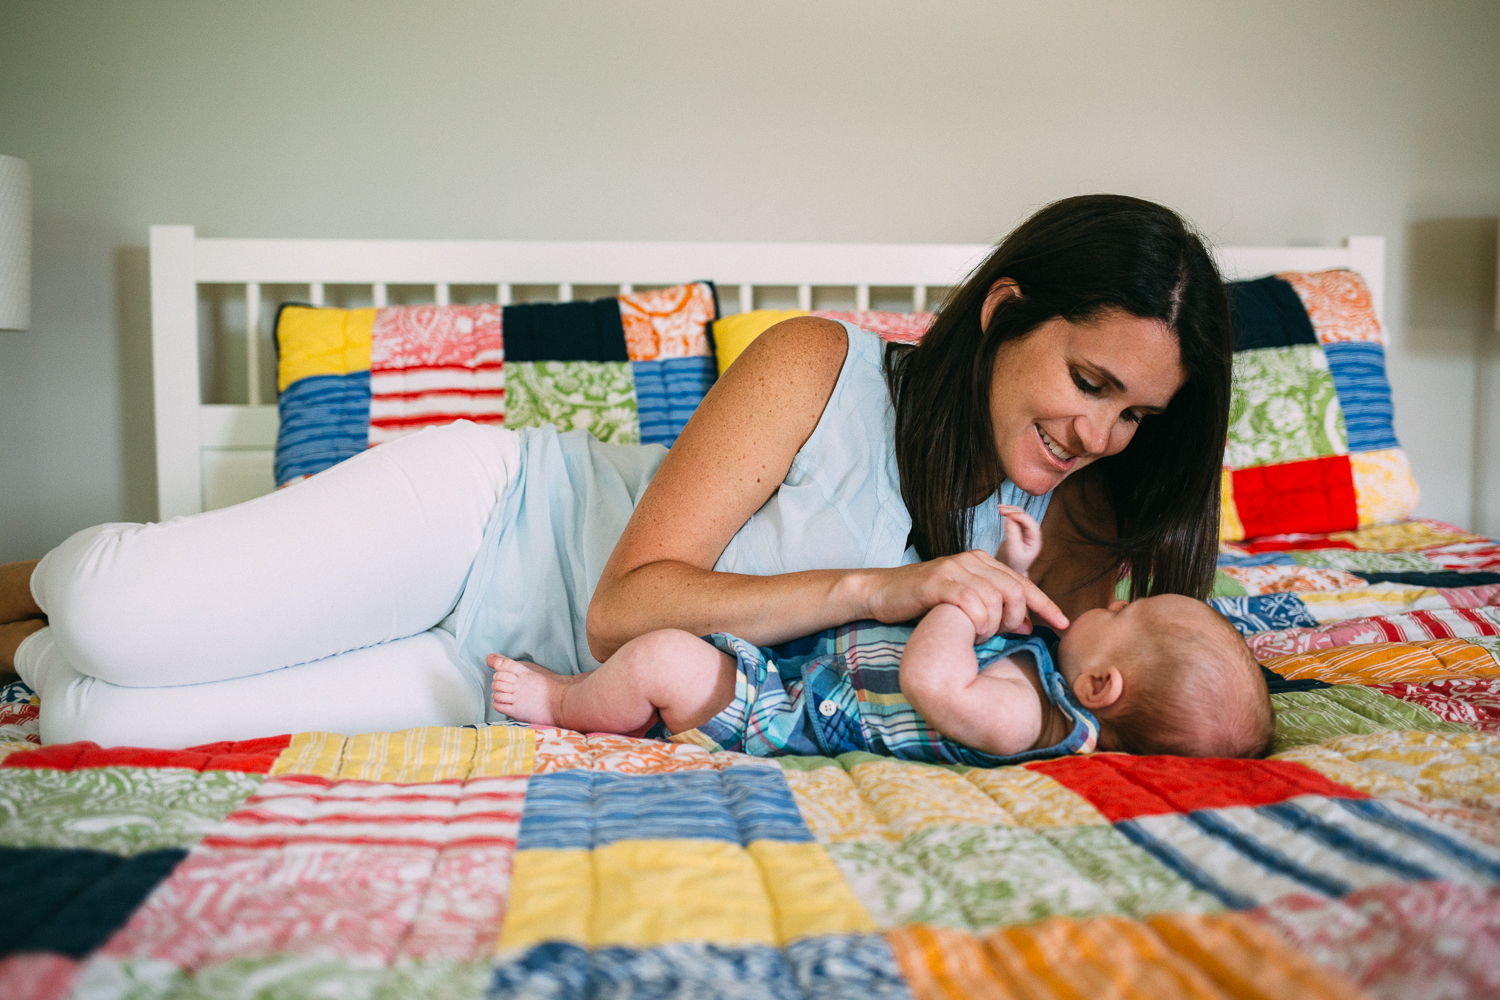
1022, 541
687, 680
997, 711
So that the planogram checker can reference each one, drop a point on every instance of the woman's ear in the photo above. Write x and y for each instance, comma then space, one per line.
1098, 687
1002, 289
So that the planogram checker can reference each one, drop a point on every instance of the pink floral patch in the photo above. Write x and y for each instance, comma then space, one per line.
1412, 941
1414, 626
436, 336
1470, 556
902, 328
37, 976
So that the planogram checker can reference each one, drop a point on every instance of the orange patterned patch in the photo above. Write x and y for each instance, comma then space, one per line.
1389, 663
1338, 303
668, 323
1284, 579
1160, 959
565, 750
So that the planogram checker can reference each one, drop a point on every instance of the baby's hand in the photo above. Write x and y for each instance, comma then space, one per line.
1023, 539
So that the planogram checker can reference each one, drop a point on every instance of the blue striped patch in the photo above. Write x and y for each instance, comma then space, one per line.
572, 810
1264, 612
1358, 369
833, 967
1266, 856
1255, 559
667, 393
1299, 820
1177, 862
324, 420
1378, 812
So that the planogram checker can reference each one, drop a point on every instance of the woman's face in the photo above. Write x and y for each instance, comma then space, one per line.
1067, 394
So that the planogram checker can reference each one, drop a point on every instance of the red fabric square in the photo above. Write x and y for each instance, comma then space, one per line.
249, 756
1122, 786
1312, 496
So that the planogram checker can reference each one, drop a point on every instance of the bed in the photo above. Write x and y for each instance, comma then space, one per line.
1361, 859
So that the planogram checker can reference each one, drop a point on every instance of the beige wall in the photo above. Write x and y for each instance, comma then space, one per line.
1266, 122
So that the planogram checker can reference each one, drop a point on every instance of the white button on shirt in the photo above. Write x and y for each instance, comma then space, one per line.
827, 708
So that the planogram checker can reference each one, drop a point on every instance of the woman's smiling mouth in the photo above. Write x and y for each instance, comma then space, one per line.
1054, 450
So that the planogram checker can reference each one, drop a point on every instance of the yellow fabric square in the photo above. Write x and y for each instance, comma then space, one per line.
832, 807
911, 797
1458, 768
653, 892
639, 893
551, 898
733, 334
412, 756
1032, 799
809, 894
321, 754
1384, 487
1368, 602
1406, 536
322, 342
502, 751
1231, 528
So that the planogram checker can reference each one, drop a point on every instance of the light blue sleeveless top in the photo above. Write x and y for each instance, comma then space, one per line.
546, 543
840, 505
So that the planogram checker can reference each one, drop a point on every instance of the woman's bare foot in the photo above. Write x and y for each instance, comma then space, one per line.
16, 602
528, 692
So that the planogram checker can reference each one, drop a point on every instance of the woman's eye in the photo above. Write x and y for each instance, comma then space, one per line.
1086, 386
1133, 416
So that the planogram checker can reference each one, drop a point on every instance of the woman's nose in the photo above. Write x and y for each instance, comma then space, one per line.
1093, 433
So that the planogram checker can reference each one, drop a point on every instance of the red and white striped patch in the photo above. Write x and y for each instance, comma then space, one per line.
432, 365
307, 810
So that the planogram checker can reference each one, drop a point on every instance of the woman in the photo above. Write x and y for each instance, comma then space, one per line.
824, 479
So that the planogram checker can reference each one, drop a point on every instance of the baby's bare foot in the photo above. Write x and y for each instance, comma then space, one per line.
527, 692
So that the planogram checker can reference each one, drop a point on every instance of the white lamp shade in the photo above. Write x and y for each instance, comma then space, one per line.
15, 244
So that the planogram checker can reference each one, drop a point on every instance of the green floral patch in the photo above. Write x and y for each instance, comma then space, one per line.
1284, 408
981, 877
595, 396
1304, 717
1366, 562
123, 810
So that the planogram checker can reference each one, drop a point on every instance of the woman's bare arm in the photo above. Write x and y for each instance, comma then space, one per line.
733, 454
1067, 559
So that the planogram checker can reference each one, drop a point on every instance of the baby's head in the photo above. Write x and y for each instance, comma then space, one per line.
1168, 675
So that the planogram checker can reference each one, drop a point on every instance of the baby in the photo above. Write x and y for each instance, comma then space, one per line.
1161, 675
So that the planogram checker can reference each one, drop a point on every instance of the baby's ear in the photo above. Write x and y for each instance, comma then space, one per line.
1099, 687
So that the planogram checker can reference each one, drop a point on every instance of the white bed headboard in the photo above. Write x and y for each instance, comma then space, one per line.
209, 454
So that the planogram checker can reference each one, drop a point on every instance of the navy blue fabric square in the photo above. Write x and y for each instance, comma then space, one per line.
1441, 578
1264, 612
1267, 313
68, 901
564, 331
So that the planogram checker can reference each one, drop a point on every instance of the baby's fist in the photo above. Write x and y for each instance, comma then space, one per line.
1023, 539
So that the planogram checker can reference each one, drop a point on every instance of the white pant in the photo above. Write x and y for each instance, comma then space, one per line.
311, 608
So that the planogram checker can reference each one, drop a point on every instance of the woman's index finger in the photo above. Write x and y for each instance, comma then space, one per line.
1042, 605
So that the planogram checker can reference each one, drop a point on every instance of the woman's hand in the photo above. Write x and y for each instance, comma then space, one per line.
994, 597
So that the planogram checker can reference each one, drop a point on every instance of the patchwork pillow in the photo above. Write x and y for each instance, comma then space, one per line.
629, 369
1311, 444
733, 334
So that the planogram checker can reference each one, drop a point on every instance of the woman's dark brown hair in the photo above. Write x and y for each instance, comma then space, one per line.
1075, 259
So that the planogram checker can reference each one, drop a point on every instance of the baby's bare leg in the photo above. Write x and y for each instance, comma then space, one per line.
16, 602
684, 678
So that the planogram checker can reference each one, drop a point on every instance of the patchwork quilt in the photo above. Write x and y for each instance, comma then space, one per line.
1361, 860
